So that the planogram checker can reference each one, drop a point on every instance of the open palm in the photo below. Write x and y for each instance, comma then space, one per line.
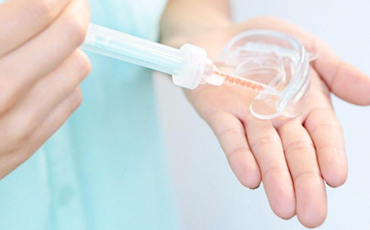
293, 157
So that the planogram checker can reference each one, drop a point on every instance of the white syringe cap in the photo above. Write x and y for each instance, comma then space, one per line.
191, 72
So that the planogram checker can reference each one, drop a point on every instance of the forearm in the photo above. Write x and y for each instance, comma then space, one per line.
185, 19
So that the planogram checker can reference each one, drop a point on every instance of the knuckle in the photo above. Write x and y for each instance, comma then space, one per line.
20, 130
265, 140
75, 31
273, 171
44, 9
83, 65
27, 125
330, 148
297, 146
77, 98
306, 175
334, 128
229, 132
87, 7
78, 68
234, 153
8, 94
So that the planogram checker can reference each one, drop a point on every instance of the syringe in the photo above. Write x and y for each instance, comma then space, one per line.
189, 65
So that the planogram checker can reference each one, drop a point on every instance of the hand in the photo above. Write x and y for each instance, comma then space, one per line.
293, 157
40, 71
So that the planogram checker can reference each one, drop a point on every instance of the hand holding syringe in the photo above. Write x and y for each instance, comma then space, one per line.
188, 65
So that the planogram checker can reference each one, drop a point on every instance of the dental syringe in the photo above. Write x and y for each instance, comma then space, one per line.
188, 65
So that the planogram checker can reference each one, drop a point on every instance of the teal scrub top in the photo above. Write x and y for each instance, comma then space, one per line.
105, 168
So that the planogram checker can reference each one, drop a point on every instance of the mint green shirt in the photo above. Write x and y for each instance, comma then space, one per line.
105, 168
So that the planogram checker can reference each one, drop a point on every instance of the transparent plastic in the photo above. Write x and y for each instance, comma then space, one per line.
273, 59
188, 65
148, 54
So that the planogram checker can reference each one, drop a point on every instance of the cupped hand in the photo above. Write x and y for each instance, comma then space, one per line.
40, 71
293, 157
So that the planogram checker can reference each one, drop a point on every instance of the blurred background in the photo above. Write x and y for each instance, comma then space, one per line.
207, 193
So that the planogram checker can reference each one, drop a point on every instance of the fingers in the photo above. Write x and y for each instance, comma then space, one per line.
346, 81
30, 143
231, 135
326, 133
46, 52
343, 79
49, 126
21, 20
48, 93
327, 136
56, 119
267, 148
309, 186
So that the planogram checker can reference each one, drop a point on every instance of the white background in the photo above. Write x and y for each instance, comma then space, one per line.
207, 193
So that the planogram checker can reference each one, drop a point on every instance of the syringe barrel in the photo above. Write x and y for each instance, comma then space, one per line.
186, 65
133, 49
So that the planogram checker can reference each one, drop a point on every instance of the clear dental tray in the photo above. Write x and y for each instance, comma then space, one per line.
276, 60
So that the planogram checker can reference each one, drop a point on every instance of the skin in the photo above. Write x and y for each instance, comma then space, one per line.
294, 158
40, 71
41, 68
